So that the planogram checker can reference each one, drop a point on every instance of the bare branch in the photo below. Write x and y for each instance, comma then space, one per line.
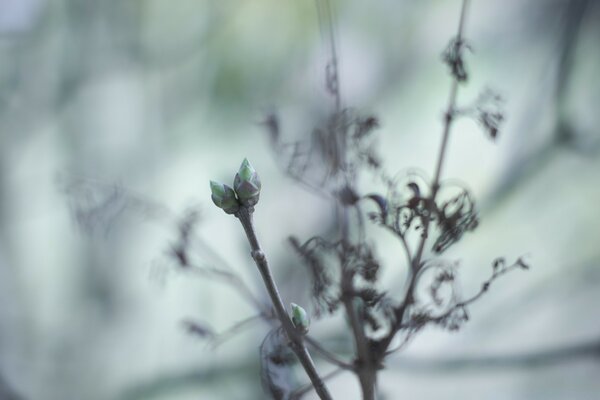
416, 261
327, 355
301, 391
296, 339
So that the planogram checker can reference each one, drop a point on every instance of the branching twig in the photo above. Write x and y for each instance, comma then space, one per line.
498, 271
416, 261
327, 355
340, 153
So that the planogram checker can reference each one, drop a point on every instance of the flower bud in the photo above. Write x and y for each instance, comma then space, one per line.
247, 184
224, 197
300, 318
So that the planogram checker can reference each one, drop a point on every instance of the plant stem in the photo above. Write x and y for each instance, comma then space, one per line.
368, 382
296, 340
448, 118
435, 185
326, 354
298, 393
364, 367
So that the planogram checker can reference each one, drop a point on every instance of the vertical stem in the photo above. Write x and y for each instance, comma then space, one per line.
325, 15
448, 118
368, 383
417, 258
296, 340
365, 368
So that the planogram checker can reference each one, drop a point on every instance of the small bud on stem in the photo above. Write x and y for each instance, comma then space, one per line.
300, 318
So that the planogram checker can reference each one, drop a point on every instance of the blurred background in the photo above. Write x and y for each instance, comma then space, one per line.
115, 114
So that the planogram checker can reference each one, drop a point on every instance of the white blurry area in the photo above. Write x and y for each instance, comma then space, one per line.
159, 97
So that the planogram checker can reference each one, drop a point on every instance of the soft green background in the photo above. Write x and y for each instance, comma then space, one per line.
160, 96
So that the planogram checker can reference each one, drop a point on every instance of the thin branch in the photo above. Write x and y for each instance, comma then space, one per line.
326, 23
404, 342
296, 340
365, 370
301, 391
366, 373
448, 119
484, 288
416, 260
230, 278
327, 355
239, 326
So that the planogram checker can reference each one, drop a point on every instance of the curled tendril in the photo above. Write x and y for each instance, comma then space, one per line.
409, 205
438, 274
456, 312
408, 195
434, 305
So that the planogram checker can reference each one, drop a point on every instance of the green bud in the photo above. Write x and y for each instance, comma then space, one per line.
300, 318
224, 197
247, 184
246, 170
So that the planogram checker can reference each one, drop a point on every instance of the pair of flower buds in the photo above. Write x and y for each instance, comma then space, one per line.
245, 191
